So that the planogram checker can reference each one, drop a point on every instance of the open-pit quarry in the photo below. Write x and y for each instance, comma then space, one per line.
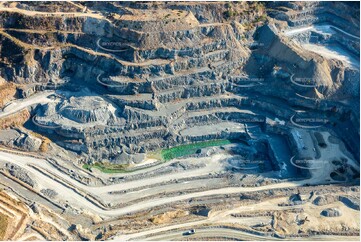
179, 120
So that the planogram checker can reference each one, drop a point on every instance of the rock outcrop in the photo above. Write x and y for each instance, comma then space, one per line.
138, 77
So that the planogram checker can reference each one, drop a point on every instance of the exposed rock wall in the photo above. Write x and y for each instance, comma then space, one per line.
134, 76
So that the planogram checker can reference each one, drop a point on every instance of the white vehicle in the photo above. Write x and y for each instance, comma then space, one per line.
190, 232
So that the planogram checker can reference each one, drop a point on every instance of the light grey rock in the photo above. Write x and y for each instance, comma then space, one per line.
18, 139
169, 71
30, 143
19, 173
8, 135
49, 193
324, 200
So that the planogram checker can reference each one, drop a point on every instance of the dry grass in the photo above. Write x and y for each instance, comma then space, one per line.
29, 58
168, 216
15, 120
7, 91
13, 226
154, 155
3, 225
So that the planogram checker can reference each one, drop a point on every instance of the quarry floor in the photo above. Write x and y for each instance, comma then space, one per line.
159, 191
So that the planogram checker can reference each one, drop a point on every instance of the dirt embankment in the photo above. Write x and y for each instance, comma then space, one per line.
7, 91
13, 217
17, 222
168, 216
3, 225
16, 119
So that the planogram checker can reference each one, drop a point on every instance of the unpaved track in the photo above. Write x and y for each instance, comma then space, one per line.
239, 235
76, 200
17, 105
53, 14
319, 28
210, 226
212, 233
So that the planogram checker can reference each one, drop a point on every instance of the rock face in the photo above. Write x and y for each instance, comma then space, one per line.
88, 109
138, 77
30, 143
16, 138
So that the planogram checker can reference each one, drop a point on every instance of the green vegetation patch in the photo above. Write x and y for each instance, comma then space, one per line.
229, 13
190, 149
164, 155
107, 167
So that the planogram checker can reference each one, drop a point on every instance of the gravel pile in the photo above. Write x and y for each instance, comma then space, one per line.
331, 212
20, 173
